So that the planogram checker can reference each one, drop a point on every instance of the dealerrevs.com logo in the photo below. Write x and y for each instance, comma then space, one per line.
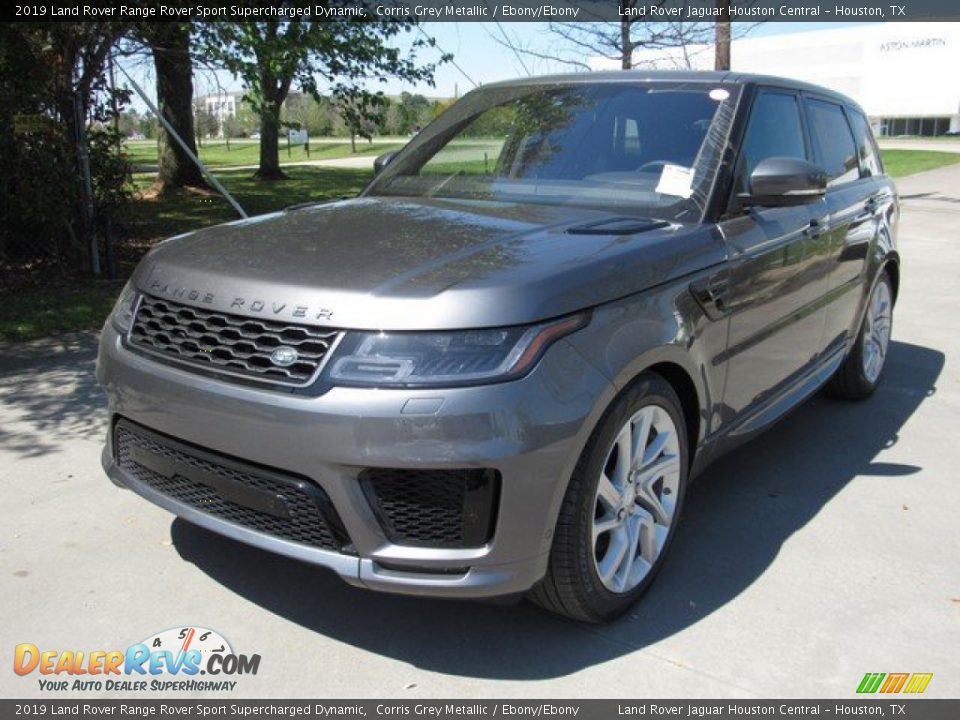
179, 659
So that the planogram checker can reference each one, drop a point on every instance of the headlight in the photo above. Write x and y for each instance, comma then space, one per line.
122, 314
435, 359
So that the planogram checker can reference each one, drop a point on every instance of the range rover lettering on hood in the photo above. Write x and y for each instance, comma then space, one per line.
242, 305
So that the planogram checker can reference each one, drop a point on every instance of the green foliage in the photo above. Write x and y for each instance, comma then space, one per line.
205, 123
149, 126
52, 75
338, 56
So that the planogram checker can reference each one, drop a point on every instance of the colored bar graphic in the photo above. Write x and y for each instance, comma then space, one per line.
870, 682
894, 682
918, 682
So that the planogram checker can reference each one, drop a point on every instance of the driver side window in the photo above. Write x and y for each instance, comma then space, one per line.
774, 130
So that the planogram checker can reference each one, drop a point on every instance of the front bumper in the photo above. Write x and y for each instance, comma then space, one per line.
531, 431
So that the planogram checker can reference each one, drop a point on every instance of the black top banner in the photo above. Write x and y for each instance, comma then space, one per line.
487, 10
889, 707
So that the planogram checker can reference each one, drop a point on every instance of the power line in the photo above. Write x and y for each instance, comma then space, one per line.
510, 45
452, 61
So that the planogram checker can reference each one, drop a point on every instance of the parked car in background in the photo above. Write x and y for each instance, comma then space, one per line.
497, 370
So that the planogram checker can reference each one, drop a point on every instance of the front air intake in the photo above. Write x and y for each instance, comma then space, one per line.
434, 508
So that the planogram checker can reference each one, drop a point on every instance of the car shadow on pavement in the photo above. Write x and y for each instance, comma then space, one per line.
738, 516
49, 393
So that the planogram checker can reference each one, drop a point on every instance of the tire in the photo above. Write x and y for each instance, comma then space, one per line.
862, 370
573, 585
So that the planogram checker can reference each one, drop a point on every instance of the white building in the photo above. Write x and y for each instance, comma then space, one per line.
906, 76
224, 105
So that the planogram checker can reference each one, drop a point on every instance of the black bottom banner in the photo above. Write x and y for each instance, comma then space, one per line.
914, 709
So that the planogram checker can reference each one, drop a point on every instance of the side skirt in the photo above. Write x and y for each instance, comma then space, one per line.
749, 426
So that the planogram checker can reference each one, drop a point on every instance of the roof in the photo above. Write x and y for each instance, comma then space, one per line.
704, 76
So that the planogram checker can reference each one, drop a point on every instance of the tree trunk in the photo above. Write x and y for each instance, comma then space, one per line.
722, 37
170, 43
626, 46
270, 144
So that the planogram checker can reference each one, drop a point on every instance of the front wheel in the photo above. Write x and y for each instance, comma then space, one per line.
621, 508
860, 373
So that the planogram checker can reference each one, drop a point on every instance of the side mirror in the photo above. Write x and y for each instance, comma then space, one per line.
382, 161
785, 182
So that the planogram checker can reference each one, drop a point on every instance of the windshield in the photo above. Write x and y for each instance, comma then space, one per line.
648, 148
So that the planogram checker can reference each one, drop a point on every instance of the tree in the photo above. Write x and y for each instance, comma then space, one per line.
63, 169
232, 128
722, 36
575, 44
245, 117
205, 123
413, 111
357, 119
674, 44
271, 56
149, 126
169, 42
128, 123
315, 115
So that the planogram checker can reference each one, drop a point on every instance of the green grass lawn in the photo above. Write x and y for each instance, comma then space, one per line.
215, 154
55, 310
907, 162
152, 219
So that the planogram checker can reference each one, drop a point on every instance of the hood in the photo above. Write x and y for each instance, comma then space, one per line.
399, 264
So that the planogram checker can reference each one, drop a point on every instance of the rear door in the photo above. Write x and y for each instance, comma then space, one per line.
843, 146
778, 272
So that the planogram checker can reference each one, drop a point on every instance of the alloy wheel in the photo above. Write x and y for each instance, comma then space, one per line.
876, 331
636, 499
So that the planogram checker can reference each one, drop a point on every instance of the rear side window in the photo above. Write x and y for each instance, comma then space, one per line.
832, 141
774, 130
869, 162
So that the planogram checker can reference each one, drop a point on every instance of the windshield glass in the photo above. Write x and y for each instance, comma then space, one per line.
648, 148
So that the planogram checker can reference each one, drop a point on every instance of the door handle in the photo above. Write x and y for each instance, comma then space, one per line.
815, 228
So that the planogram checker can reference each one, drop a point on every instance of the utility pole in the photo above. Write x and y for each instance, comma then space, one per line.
86, 194
722, 36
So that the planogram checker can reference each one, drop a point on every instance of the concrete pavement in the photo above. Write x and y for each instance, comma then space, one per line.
824, 550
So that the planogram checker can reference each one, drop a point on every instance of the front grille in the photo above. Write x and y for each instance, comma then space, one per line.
256, 498
433, 508
228, 344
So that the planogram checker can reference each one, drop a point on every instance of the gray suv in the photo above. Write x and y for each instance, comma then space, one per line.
496, 371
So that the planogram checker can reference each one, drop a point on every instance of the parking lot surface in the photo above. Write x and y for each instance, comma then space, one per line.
826, 549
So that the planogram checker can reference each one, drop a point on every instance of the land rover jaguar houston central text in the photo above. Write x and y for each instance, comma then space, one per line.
496, 371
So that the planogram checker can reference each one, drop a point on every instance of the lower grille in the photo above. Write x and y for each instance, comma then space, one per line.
253, 497
433, 508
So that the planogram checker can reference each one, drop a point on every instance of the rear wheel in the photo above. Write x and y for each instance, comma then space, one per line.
861, 371
621, 508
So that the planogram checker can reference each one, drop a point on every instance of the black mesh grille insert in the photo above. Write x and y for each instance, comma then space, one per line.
229, 344
283, 506
433, 508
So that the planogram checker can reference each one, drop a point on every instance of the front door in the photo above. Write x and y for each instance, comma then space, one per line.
778, 272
